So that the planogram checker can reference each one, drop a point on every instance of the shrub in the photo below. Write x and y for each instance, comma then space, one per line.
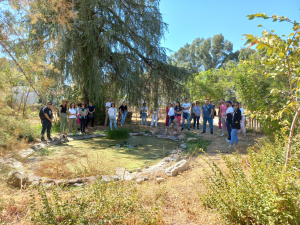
117, 134
100, 203
258, 190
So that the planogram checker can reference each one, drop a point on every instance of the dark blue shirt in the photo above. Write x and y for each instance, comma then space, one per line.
91, 108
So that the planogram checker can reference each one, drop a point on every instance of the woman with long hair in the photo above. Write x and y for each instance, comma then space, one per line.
112, 113
72, 118
83, 111
167, 112
154, 115
242, 121
178, 111
62, 113
236, 125
123, 111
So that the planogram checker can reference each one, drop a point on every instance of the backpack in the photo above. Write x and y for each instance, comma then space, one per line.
41, 114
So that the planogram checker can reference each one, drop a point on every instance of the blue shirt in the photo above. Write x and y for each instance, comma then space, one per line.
206, 109
91, 109
176, 110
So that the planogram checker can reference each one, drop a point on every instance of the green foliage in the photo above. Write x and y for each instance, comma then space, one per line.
121, 133
196, 147
100, 203
256, 189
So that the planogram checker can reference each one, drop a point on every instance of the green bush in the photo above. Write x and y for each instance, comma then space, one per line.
121, 133
100, 203
257, 189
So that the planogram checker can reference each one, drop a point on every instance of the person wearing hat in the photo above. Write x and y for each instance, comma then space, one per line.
228, 114
143, 112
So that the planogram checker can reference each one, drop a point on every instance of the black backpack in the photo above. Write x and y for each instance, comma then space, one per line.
41, 114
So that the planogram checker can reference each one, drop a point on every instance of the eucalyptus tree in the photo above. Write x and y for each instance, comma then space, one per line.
112, 47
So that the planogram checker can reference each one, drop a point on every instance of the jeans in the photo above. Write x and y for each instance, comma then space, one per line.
123, 116
82, 125
46, 125
234, 136
111, 120
88, 120
187, 117
196, 119
144, 118
170, 121
72, 124
228, 130
210, 122
63, 122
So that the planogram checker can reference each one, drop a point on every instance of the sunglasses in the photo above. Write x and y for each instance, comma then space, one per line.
236, 105
49, 104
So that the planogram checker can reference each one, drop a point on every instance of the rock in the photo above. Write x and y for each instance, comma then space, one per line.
134, 134
181, 136
64, 140
38, 147
13, 163
192, 139
140, 181
173, 152
183, 145
178, 167
108, 178
138, 170
121, 171
129, 171
142, 133
154, 132
172, 138
159, 179
146, 167
78, 184
18, 180
25, 153
167, 159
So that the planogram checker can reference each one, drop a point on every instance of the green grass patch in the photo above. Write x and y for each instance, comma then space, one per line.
196, 146
121, 133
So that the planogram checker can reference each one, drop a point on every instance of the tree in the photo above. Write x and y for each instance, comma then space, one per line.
112, 48
204, 54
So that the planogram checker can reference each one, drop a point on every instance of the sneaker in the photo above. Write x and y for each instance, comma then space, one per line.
227, 140
230, 146
221, 135
50, 139
181, 128
212, 132
203, 132
43, 139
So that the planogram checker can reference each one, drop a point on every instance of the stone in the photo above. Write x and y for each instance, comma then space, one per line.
129, 171
192, 139
121, 171
181, 136
142, 133
176, 168
173, 152
183, 145
38, 147
64, 140
133, 134
108, 178
140, 181
146, 167
159, 179
18, 180
78, 184
138, 170
154, 132
25, 153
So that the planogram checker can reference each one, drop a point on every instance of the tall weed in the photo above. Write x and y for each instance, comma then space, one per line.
258, 190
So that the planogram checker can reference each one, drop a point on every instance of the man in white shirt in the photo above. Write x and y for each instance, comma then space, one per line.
107, 106
186, 113
171, 114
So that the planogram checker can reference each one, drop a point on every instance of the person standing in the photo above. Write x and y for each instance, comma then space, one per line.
143, 112
215, 112
178, 112
63, 116
207, 115
46, 115
83, 111
228, 115
107, 106
154, 116
219, 123
236, 125
90, 116
222, 114
112, 112
186, 113
192, 114
78, 115
72, 118
167, 114
197, 111
242, 121
171, 114
123, 111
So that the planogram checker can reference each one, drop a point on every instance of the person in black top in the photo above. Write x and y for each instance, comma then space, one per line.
63, 117
91, 111
47, 121
123, 112
235, 126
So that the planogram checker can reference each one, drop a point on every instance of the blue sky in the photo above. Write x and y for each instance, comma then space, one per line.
190, 19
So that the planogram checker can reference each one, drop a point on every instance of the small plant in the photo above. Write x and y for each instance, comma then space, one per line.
196, 147
121, 133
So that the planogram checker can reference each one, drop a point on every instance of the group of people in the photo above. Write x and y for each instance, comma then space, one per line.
72, 115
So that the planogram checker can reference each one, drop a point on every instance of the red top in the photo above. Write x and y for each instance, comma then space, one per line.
167, 109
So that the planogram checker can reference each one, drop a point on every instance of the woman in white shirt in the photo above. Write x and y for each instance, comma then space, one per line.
112, 113
154, 116
242, 121
171, 114
143, 112
72, 118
